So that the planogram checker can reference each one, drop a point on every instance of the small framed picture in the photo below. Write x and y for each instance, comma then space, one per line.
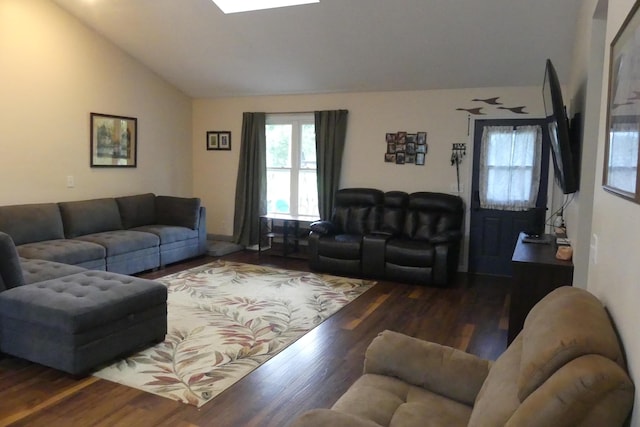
391, 137
401, 137
212, 141
391, 147
410, 158
224, 140
217, 140
421, 138
421, 148
390, 158
400, 158
420, 159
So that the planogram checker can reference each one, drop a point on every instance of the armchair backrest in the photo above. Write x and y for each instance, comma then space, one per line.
431, 213
357, 210
565, 368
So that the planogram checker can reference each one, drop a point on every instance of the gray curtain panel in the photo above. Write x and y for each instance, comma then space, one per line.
251, 187
331, 130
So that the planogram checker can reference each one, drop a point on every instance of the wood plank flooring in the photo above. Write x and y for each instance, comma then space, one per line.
311, 373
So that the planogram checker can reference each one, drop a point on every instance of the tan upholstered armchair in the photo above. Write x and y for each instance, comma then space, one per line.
565, 368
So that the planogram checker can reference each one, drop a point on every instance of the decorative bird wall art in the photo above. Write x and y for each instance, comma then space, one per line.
493, 101
516, 110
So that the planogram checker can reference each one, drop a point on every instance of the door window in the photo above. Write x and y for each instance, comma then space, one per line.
510, 167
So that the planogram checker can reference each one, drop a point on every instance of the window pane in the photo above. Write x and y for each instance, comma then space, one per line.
308, 147
278, 146
278, 189
623, 158
307, 193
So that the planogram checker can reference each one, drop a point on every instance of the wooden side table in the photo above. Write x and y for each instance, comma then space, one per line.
536, 272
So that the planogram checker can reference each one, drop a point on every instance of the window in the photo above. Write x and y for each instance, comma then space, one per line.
291, 165
510, 167
623, 156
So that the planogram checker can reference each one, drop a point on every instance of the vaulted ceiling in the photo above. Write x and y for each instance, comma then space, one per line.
339, 45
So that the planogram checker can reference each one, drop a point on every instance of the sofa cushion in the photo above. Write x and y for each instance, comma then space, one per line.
10, 270
389, 401
31, 223
341, 246
179, 211
420, 225
138, 210
547, 347
169, 233
90, 216
39, 270
410, 253
122, 241
67, 251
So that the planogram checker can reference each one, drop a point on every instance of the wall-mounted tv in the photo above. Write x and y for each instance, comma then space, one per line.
564, 151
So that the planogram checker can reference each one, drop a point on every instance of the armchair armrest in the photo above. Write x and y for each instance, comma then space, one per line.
449, 236
441, 369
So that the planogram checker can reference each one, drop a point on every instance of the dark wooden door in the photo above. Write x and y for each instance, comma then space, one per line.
493, 233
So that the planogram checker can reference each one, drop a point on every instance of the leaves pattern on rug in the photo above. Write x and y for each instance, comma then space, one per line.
224, 320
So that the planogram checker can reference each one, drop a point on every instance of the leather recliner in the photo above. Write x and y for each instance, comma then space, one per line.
397, 236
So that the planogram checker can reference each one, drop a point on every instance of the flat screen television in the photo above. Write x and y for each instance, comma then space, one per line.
563, 149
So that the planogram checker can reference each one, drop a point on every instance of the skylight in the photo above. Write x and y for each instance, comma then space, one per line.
234, 6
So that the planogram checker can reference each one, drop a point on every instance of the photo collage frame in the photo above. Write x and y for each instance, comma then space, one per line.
406, 148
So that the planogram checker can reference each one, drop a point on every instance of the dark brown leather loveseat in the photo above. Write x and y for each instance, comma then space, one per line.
394, 235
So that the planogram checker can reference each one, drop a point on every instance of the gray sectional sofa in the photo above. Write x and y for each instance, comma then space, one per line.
66, 300
123, 235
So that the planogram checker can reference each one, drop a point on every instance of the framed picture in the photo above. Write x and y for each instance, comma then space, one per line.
391, 147
389, 158
212, 141
218, 140
622, 153
400, 158
114, 141
421, 138
420, 159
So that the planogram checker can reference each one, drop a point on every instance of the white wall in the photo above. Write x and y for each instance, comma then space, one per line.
54, 71
613, 269
371, 116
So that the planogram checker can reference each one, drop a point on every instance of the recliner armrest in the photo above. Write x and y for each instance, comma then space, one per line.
323, 227
445, 370
450, 236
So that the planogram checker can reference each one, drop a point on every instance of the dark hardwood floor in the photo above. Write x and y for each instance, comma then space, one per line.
313, 372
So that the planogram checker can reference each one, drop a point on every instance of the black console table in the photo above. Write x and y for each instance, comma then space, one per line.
290, 228
536, 272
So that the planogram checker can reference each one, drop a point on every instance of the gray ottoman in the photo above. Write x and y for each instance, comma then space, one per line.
78, 322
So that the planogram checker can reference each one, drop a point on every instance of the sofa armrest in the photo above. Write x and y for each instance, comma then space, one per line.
323, 227
441, 369
328, 417
373, 251
202, 231
178, 211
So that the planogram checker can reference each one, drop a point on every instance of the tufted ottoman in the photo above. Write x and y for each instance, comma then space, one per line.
78, 322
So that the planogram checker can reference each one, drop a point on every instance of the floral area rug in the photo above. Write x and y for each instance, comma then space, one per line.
224, 320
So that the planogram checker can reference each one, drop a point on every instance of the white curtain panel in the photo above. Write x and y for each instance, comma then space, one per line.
510, 167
